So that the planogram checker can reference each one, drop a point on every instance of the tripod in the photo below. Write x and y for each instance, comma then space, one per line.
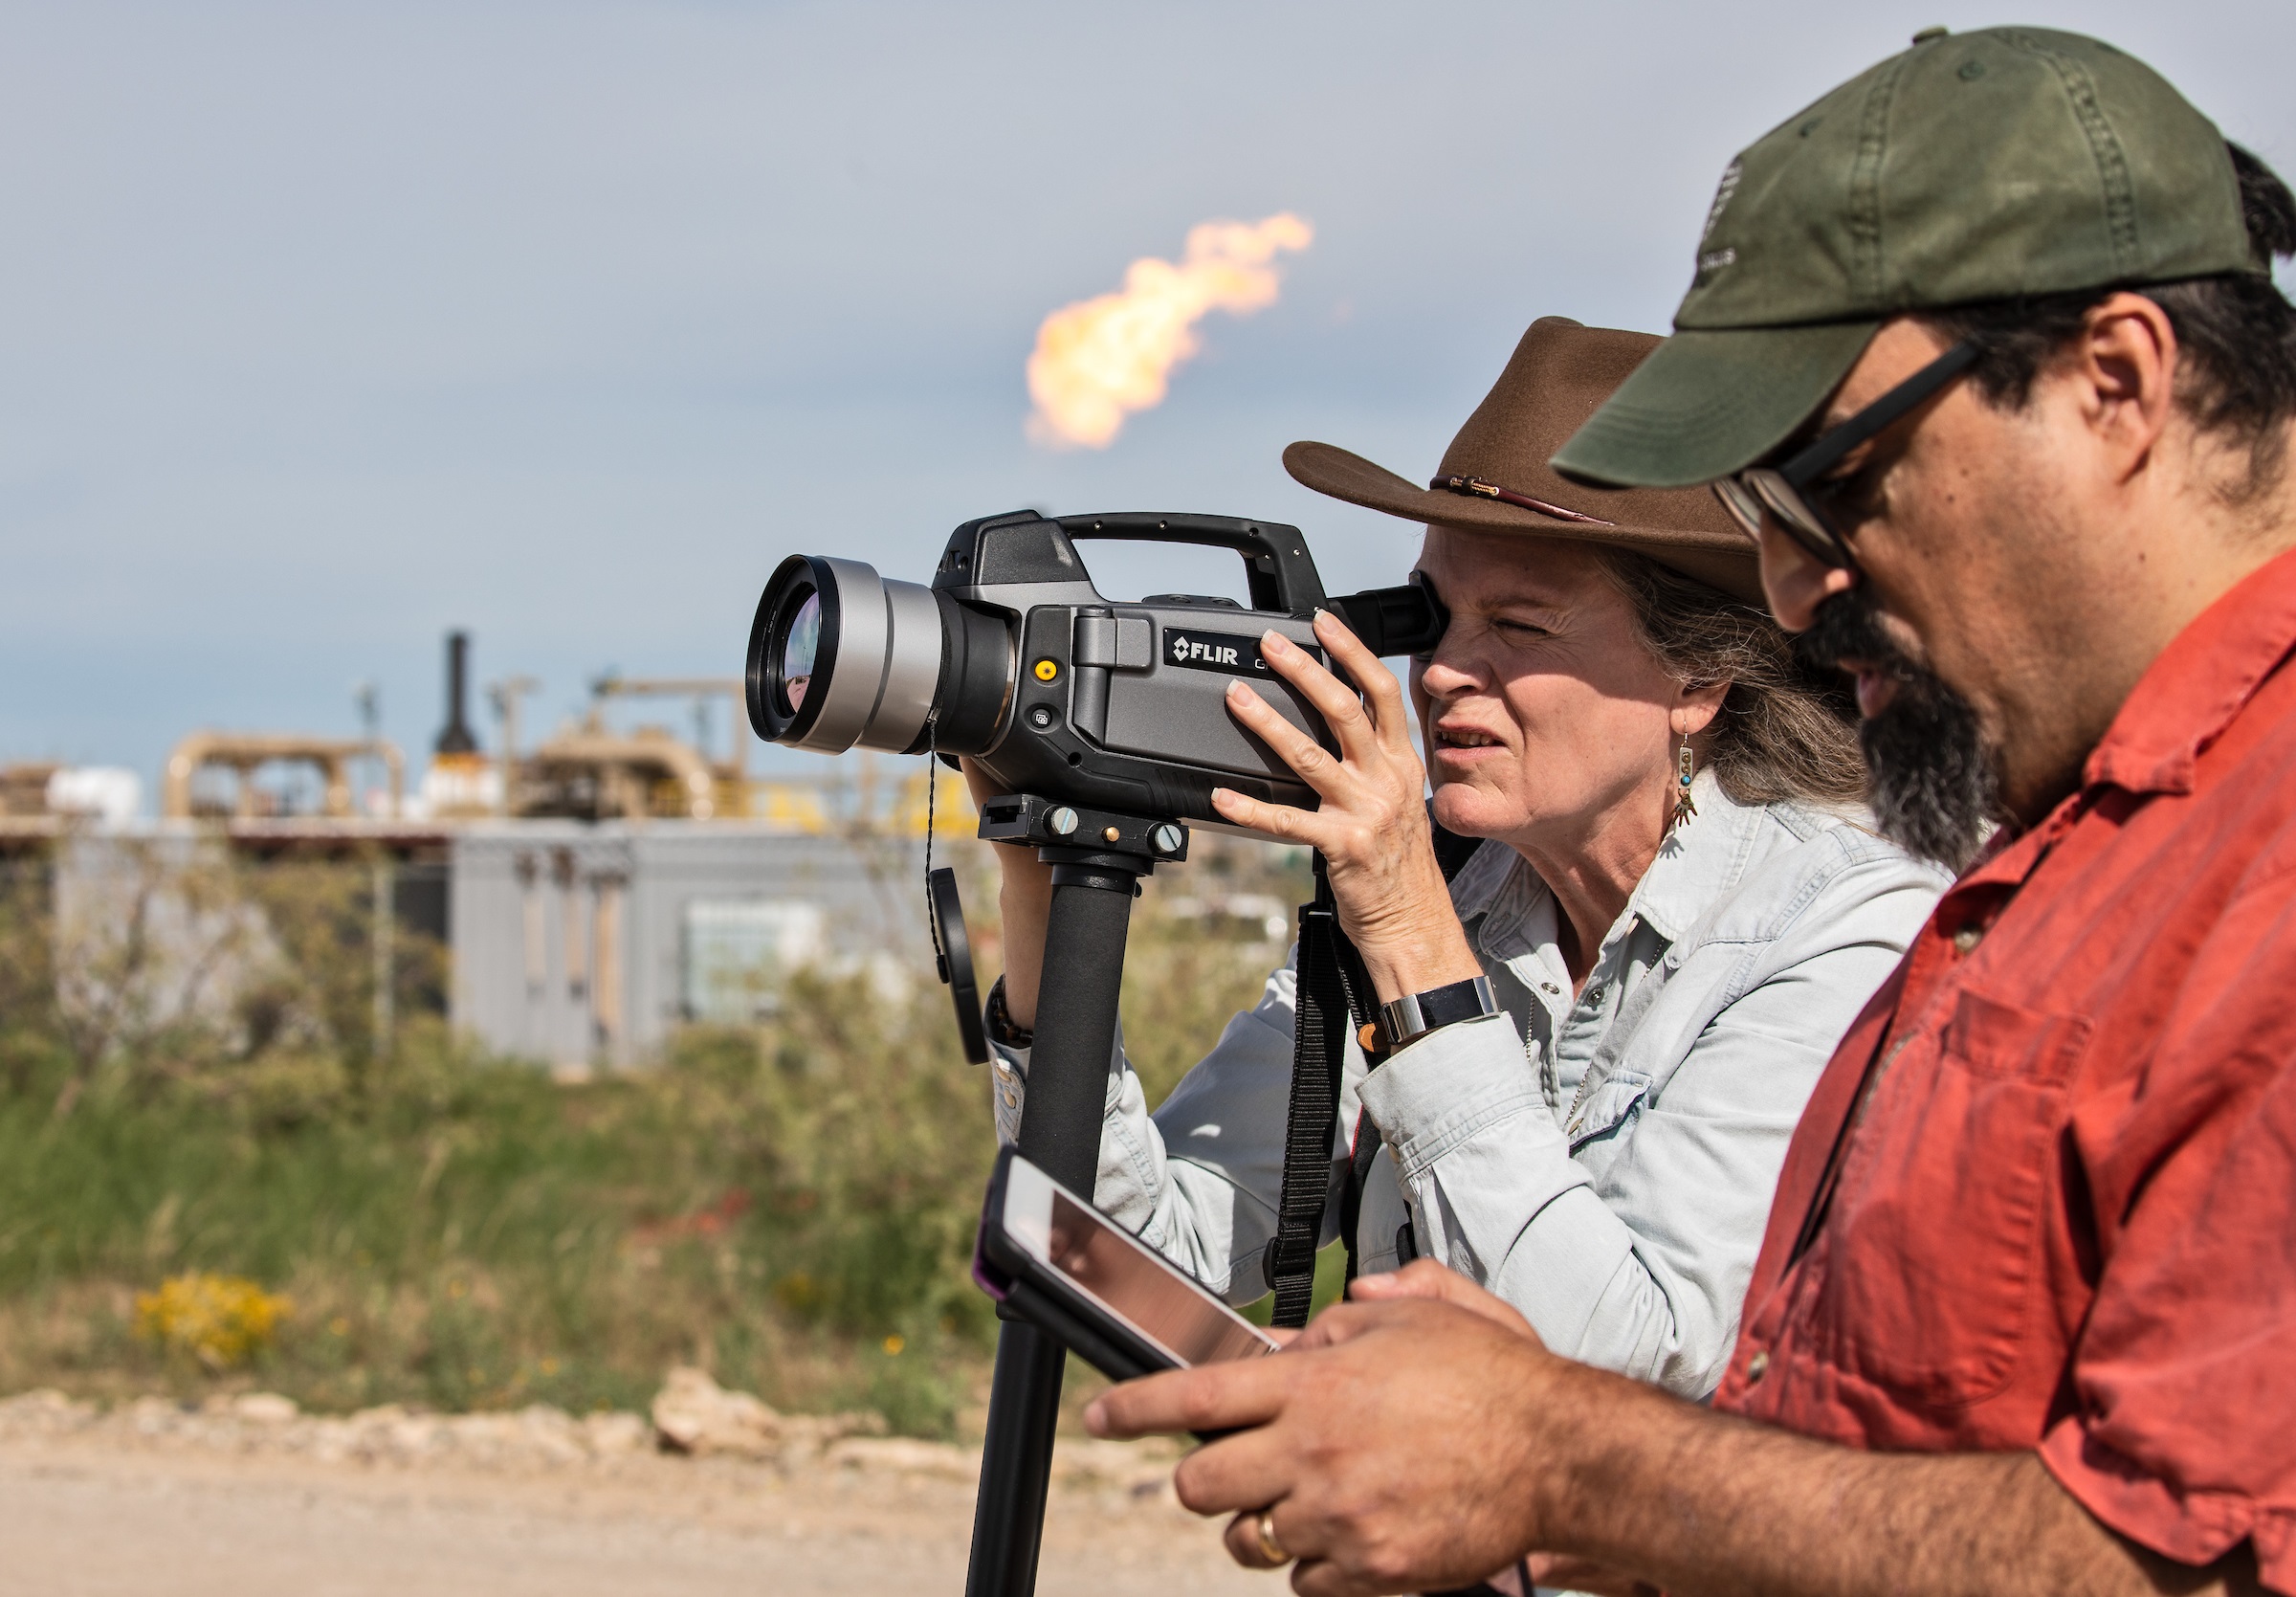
1097, 860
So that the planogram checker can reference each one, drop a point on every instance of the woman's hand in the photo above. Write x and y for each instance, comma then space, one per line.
1372, 827
1025, 902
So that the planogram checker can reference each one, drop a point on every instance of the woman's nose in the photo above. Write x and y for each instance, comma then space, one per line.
1441, 678
1795, 582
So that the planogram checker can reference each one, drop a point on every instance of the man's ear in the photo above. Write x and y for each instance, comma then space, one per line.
2124, 370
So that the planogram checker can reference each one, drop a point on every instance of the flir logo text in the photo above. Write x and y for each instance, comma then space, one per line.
1220, 651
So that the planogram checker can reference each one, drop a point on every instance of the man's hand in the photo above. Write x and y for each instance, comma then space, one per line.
1427, 1278
1424, 1442
1395, 1444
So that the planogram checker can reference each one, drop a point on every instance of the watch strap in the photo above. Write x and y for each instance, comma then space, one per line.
1415, 1014
997, 1020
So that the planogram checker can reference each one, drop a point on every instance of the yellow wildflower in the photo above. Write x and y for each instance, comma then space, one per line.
221, 1320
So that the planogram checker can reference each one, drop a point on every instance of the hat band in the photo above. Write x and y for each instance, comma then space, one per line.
1476, 488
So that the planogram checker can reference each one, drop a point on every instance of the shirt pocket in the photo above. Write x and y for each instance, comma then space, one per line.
1607, 1111
1939, 1250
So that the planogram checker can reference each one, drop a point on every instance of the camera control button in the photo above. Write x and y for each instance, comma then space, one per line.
1040, 718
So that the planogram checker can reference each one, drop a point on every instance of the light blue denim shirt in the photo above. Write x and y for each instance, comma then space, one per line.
1603, 1162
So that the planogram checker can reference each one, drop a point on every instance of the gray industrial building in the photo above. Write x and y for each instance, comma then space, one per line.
593, 893
574, 944
588, 942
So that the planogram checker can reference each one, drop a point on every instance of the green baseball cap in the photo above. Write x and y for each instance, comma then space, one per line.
1974, 167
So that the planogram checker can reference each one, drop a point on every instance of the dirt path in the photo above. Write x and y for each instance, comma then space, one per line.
95, 1516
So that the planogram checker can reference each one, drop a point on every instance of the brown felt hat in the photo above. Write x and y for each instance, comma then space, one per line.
1559, 375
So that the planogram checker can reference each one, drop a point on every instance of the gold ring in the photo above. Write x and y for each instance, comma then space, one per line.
1271, 1548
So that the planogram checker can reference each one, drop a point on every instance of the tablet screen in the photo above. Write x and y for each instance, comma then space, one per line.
1158, 1300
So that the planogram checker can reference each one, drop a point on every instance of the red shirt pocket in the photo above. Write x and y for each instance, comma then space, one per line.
1936, 1242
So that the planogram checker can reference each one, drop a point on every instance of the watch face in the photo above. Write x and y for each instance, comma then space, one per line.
1418, 1013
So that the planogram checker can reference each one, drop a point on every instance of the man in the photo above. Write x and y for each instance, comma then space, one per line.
1993, 325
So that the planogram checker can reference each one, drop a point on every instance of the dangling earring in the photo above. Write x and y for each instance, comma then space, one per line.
1683, 770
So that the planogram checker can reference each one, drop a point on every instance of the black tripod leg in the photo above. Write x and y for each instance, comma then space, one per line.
1016, 1463
1060, 1134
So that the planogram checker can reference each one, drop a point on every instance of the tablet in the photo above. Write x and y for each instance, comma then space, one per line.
1123, 1308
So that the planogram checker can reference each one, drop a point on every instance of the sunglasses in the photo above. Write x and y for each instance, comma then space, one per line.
1785, 491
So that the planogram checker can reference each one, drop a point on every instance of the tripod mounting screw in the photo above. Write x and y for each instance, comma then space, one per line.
1166, 838
1062, 821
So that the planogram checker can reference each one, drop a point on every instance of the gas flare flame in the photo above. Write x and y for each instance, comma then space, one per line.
1099, 360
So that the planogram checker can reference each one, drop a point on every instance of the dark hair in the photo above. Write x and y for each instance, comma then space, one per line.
1785, 731
2236, 334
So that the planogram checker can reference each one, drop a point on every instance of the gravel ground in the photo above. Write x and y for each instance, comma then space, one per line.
250, 1500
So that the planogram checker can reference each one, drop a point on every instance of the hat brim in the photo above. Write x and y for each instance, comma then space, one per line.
1725, 561
1713, 401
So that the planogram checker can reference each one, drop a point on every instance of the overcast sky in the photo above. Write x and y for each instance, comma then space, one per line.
327, 327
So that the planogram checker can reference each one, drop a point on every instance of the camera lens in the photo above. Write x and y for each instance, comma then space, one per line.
799, 642
840, 657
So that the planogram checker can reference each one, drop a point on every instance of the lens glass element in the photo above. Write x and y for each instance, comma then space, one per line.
793, 665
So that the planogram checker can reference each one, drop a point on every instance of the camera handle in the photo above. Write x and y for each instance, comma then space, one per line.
1093, 884
1283, 573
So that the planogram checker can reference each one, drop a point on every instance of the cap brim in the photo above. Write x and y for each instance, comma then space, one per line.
1713, 401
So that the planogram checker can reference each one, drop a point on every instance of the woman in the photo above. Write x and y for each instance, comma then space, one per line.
1676, 905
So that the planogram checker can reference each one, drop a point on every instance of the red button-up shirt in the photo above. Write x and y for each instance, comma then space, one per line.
2062, 1215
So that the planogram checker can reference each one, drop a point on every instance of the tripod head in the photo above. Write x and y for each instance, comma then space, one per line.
1075, 837
1084, 847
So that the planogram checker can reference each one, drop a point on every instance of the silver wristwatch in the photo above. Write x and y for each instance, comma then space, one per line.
1415, 1014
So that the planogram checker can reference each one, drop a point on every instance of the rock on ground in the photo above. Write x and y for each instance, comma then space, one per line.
692, 1413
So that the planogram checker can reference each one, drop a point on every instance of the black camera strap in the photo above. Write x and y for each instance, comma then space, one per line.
1334, 995
940, 952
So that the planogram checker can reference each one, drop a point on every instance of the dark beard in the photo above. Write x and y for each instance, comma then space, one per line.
1933, 779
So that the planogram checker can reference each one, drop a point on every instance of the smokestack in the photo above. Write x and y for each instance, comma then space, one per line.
457, 738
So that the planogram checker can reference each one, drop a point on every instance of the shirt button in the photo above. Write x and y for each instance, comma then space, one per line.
1758, 1367
1550, 987
1968, 938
